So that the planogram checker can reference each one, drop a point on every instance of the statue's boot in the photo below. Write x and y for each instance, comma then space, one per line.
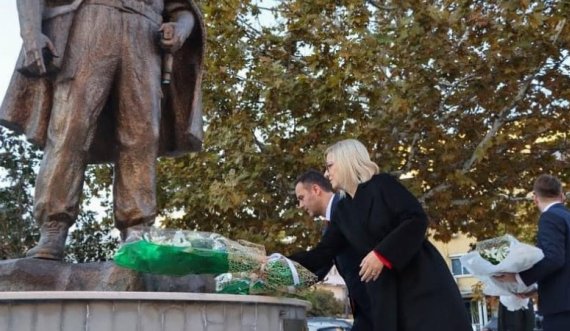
134, 233
53, 235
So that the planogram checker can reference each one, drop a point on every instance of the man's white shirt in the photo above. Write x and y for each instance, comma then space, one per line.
329, 209
550, 205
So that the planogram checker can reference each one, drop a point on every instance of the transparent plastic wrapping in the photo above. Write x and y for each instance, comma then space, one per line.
180, 252
279, 274
502, 255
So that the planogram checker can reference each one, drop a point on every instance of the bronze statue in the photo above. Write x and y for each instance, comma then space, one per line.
87, 89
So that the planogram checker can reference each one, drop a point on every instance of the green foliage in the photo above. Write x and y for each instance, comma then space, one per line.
91, 241
466, 100
323, 303
19, 161
17, 229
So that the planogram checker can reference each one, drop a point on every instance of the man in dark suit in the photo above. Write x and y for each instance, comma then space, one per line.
553, 272
315, 196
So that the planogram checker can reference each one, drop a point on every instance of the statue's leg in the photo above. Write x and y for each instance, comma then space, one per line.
138, 121
77, 105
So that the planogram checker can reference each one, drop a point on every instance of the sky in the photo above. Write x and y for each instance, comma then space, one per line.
10, 42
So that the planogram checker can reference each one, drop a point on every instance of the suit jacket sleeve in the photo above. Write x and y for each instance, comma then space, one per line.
322, 255
408, 222
552, 241
324, 271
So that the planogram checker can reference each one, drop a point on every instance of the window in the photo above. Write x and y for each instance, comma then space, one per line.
456, 268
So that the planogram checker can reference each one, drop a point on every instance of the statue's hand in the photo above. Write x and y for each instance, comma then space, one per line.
173, 36
38, 50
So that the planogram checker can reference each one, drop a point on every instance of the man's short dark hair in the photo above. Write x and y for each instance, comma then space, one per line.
547, 186
314, 177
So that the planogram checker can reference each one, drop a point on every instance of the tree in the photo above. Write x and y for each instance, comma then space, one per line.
19, 232
323, 303
466, 101
17, 229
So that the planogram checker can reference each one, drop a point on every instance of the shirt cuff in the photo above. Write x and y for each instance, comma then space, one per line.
382, 259
519, 280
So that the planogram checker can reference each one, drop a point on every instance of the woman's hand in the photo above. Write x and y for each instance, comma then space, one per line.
370, 267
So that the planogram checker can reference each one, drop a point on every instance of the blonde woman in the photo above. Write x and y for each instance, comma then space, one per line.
407, 280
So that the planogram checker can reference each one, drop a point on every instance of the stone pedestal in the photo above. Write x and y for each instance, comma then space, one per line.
148, 311
57, 296
45, 275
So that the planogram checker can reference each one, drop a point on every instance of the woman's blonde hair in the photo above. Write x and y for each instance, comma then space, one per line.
352, 161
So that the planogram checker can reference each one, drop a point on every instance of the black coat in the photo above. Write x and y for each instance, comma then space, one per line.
553, 272
348, 265
419, 292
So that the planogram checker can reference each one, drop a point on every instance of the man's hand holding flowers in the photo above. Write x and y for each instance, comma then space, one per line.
506, 278
496, 262
512, 278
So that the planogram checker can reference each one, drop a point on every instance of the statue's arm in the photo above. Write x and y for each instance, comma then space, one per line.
176, 31
35, 43
30, 15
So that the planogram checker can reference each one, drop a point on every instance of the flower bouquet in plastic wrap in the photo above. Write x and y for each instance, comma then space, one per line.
278, 274
179, 252
502, 255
